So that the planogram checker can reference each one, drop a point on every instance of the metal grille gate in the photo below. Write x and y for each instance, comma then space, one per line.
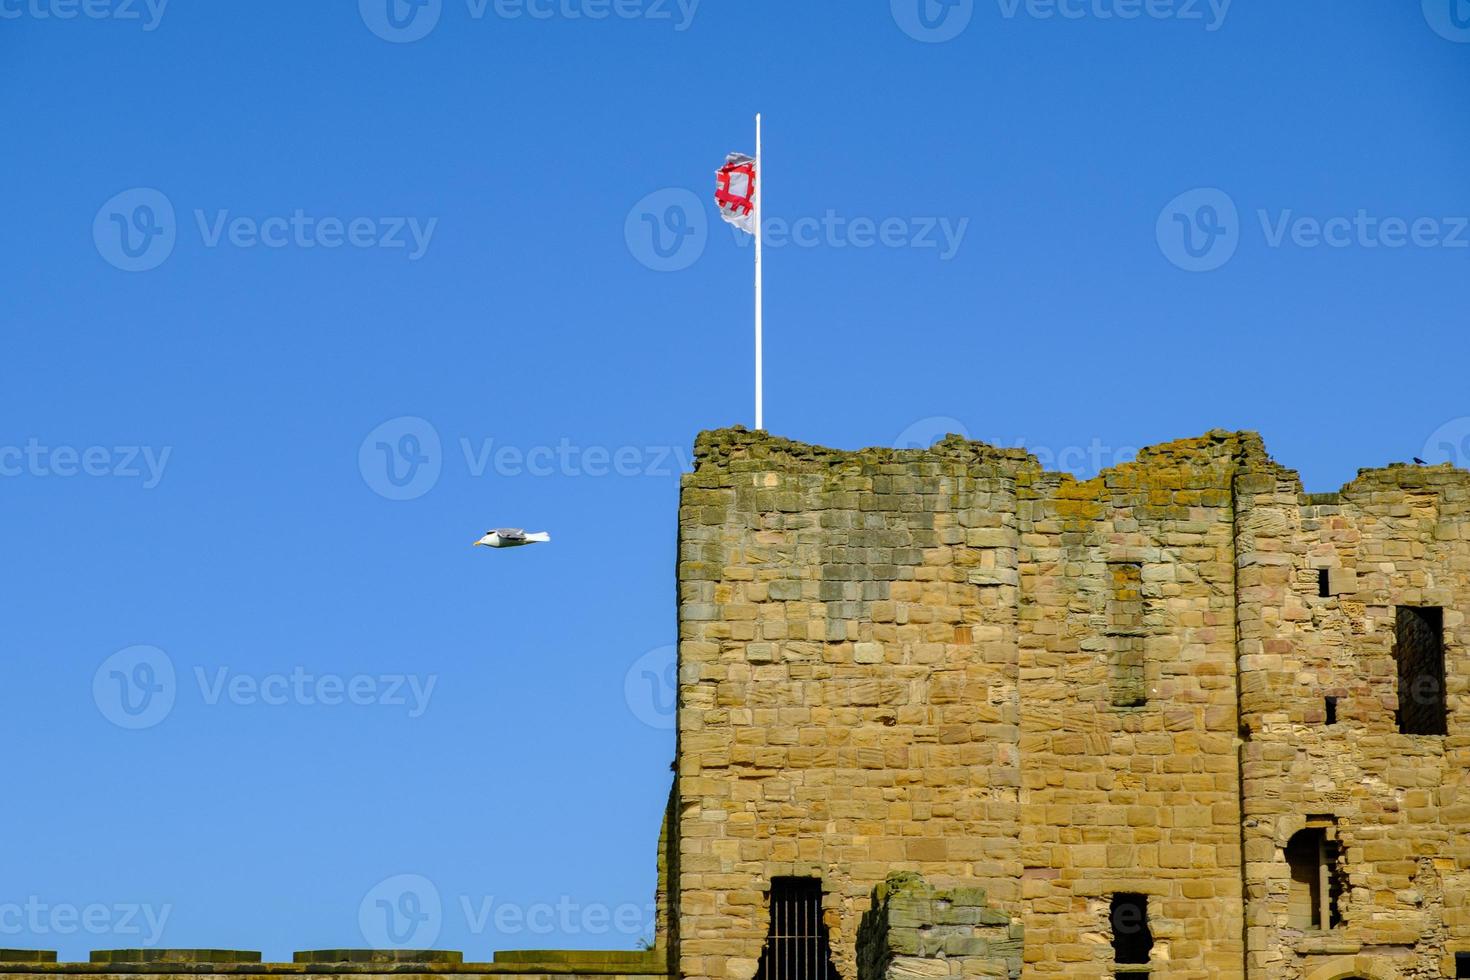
797, 947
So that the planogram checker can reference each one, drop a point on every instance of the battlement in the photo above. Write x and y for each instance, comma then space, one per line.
738, 449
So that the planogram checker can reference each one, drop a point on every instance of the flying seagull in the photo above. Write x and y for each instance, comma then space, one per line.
512, 537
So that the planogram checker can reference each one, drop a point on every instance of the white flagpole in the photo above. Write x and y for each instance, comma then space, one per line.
760, 183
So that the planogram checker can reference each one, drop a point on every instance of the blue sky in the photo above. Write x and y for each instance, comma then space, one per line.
257, 686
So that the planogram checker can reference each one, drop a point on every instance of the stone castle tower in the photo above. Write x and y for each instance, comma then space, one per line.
943, 714
1180, 721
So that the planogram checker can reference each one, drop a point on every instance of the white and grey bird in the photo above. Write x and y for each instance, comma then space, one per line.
512, 537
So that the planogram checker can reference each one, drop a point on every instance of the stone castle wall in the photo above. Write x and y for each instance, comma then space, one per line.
848, 685
1399, 804
950, 662
1128, 705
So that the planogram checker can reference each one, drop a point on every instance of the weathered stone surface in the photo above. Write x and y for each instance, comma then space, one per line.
913, 932
158, 955
1116, 685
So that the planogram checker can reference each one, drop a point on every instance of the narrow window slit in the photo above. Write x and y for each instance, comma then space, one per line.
1128, 687
1419, 651
1133, 941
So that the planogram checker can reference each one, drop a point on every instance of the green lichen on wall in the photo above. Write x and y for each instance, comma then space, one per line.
915, 931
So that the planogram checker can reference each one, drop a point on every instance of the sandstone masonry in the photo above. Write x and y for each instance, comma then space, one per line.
1176, 693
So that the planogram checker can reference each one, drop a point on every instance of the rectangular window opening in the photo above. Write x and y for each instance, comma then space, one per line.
1324, 583
1317, 885
1127, 686
1332, 711
1133, 942
798, 946
1462, 965
1419, 651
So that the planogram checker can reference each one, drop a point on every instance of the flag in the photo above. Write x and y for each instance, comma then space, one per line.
735, 191
738, 196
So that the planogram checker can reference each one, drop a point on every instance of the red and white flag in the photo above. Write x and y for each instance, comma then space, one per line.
735, 191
